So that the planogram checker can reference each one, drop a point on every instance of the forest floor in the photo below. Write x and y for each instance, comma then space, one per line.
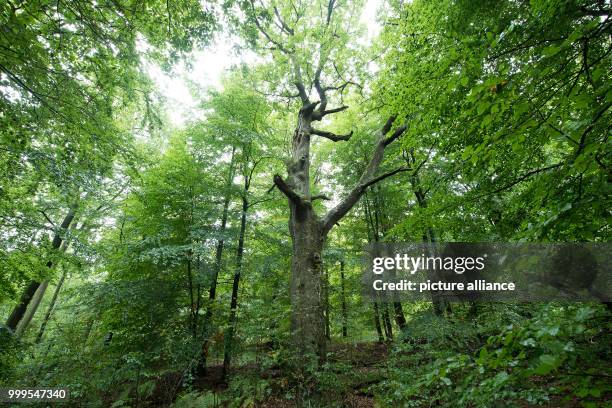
365, 366
366, 359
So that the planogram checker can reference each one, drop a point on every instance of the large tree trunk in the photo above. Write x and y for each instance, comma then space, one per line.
26, 297
212, 292
307, 317
308, 238
308, 231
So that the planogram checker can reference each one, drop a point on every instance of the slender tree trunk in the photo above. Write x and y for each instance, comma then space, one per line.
192, 302
382, 222
58, 288
343, 301
381, 338
325, 285
400, 320
32, 308
212, 292
375, 217
19, 311
229, 337
56, 292
387, 321
440, 306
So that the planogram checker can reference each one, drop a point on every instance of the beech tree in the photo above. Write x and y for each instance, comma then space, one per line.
312, 41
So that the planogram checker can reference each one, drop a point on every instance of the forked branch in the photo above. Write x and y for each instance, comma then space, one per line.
368, 177
286, 189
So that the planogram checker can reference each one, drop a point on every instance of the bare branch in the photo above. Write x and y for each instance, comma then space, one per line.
525, 177
331, 136
319, 197
287, 190
263, 200
319, 88
386, 175
284, 26
589, 128
330, 9
277, 44
299, 81
387, 127
398, 132
335, 110
47, 217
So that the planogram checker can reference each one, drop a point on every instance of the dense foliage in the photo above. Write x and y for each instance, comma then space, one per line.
148, 264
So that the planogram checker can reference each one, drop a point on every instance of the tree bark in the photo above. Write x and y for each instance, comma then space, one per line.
308, 236
26, 297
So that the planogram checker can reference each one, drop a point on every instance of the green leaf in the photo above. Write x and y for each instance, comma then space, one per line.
551, 50
547, 363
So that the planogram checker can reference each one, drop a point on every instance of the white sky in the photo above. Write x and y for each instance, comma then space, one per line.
209, 64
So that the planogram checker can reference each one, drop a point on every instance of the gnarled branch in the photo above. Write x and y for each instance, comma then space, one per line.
287, 190
320, 113
331, 136
319, 197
